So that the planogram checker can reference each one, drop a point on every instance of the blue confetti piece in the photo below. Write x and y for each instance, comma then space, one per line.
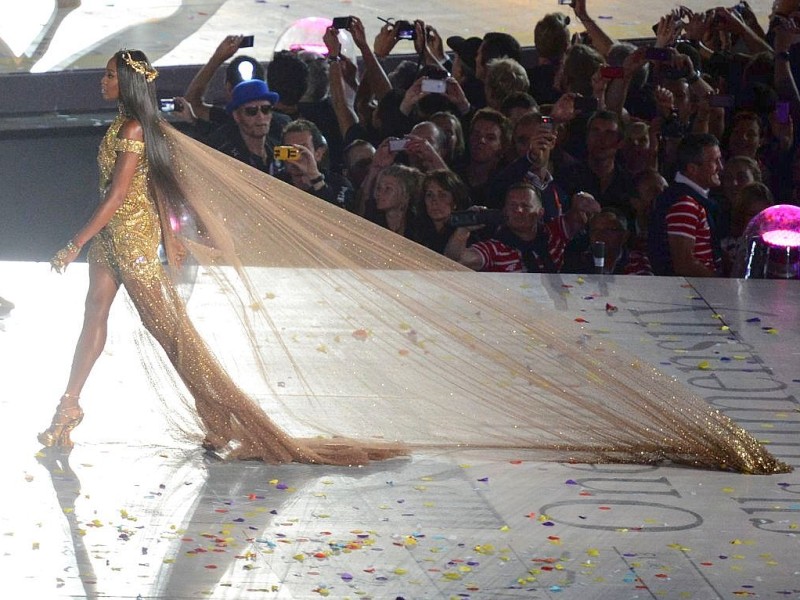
754, 320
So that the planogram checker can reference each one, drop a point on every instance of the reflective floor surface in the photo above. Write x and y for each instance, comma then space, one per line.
136, 512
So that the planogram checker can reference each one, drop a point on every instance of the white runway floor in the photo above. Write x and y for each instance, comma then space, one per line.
133, 512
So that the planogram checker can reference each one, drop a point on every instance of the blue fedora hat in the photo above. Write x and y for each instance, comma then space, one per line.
248, 91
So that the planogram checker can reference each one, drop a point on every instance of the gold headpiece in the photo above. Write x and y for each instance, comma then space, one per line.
140, 66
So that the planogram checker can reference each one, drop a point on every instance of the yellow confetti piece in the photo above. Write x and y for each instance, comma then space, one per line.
679, 547
322, 348
299, 557
716, 316
704, 365
505, 528
452, 576
771, 331
725, 328
728, 490
269, 296
400, 571
593, 552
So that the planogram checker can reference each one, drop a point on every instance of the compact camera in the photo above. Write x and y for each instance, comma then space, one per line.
467, 218
247, 41
397, 145
169, 105
341, 22
405, 30
286, 153
547, 123
434, 86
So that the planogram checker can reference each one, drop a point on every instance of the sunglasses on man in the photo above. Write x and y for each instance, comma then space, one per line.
252, 111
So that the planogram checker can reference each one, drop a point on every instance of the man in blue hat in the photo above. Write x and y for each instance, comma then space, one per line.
246, 138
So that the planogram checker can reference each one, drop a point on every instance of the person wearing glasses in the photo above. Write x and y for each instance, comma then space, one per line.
247, 138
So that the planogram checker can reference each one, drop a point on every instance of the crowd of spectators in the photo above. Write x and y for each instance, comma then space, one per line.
650, 157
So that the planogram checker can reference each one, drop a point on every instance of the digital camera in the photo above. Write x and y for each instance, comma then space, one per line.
405, 30
286, 153
467, 218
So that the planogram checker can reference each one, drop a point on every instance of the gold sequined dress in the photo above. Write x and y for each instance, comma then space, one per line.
128, 246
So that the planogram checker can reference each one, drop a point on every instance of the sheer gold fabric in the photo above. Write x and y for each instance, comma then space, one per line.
338, 327
234, 423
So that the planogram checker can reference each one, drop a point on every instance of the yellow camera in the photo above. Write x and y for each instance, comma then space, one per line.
286, 153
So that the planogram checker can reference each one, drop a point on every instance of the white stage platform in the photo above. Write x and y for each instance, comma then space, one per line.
133, 512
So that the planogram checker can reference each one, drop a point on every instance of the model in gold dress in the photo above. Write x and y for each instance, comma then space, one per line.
125, 231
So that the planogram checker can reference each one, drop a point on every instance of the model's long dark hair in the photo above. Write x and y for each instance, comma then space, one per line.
137, 97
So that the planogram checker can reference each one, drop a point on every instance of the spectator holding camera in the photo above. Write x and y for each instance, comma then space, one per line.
425, 147
534, 139
523, 243
304, 167
247, 138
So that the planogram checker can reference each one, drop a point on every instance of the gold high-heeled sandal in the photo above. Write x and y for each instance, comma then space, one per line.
64, 421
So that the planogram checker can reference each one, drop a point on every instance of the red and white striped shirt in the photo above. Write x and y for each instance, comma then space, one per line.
499, 257
687, 218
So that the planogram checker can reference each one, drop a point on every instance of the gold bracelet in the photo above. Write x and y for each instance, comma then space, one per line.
72, 247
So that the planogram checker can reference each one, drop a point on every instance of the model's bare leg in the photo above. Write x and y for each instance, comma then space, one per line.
102, 290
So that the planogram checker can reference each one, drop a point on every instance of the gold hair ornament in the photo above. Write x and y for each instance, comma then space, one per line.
140, 66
